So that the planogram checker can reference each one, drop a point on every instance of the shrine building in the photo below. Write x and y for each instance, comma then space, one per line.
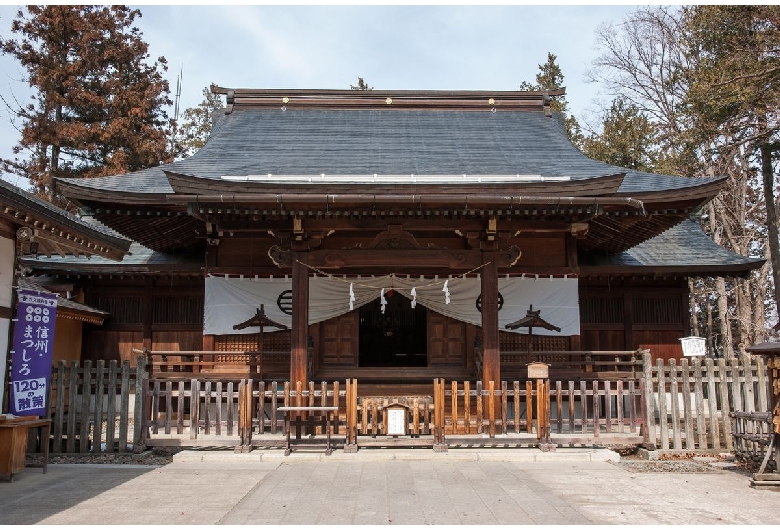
391, 236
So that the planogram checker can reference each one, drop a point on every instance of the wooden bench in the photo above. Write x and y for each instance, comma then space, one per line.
294, 416
13, 443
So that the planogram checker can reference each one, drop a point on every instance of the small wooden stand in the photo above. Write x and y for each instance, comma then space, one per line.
293, 417
13, 444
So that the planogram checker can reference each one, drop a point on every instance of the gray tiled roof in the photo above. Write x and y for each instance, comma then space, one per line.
139, 259
683, 246
35, 205
63, 303
255, 141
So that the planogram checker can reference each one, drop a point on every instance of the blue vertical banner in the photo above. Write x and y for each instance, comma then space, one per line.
32, 351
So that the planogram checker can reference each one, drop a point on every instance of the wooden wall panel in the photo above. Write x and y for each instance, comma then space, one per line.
339, 340
446, 340
249, 253
67, 341
607, 340
662, 344
112, 345
545, 251
177, 340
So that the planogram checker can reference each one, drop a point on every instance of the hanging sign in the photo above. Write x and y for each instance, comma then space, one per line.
694, 346
32, 352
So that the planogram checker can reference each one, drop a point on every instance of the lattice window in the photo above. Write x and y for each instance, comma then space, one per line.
519, 342
276, 341
178, 310
657, 310
601, 310
123, 309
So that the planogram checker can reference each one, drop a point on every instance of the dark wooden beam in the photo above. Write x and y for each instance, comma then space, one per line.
299, 337
463, 260
379, 224
491, 360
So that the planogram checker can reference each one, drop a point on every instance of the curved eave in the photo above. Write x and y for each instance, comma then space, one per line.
57, 231
690, 271
162, 231
698, 191
602, 185
90, 195
139, 261
116, 269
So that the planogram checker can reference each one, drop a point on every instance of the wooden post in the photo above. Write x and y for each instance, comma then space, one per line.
439, 445
139, 411
245, 416
300, 320
648, 406
351, 404
491, 356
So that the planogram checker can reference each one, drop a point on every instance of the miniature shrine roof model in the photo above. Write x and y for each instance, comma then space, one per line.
340, 156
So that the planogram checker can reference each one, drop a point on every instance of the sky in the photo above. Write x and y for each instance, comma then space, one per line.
398, 47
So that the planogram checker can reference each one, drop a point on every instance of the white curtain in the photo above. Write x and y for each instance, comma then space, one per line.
229, 301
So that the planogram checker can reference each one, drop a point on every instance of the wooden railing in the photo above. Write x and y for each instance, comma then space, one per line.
569, 365
217, 364
752, 434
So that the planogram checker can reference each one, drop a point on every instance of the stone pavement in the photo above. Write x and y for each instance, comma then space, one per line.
377, 486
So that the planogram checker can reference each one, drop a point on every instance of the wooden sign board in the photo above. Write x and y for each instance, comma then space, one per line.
694, 346
396, 420
538, 371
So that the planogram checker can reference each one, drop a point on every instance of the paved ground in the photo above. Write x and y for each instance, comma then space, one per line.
381, 487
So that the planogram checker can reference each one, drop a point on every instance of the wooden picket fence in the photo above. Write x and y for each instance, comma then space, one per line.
581, 412
111, 407
689, 404
91, 407
196, 412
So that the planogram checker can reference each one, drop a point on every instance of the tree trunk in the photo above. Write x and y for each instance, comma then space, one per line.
720, 289
745, 304
694, 313
710, 338
759, 289
771, 219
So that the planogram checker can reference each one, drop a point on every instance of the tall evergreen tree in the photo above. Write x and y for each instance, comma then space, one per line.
628, 139
735, 93
98, 106
550, 77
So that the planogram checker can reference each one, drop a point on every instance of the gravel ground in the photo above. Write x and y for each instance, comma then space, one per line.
678, 463
152, 457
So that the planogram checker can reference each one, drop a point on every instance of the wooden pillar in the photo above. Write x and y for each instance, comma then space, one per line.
300, 320
491, 359
147, 308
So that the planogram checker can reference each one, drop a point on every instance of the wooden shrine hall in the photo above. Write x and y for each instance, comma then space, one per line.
397, 234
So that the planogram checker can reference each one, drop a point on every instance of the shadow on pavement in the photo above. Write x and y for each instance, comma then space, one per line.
32, 496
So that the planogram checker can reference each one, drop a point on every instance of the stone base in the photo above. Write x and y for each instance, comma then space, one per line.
440, 448
769, 481
646, 454
547, 447
350, 448
242, 449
